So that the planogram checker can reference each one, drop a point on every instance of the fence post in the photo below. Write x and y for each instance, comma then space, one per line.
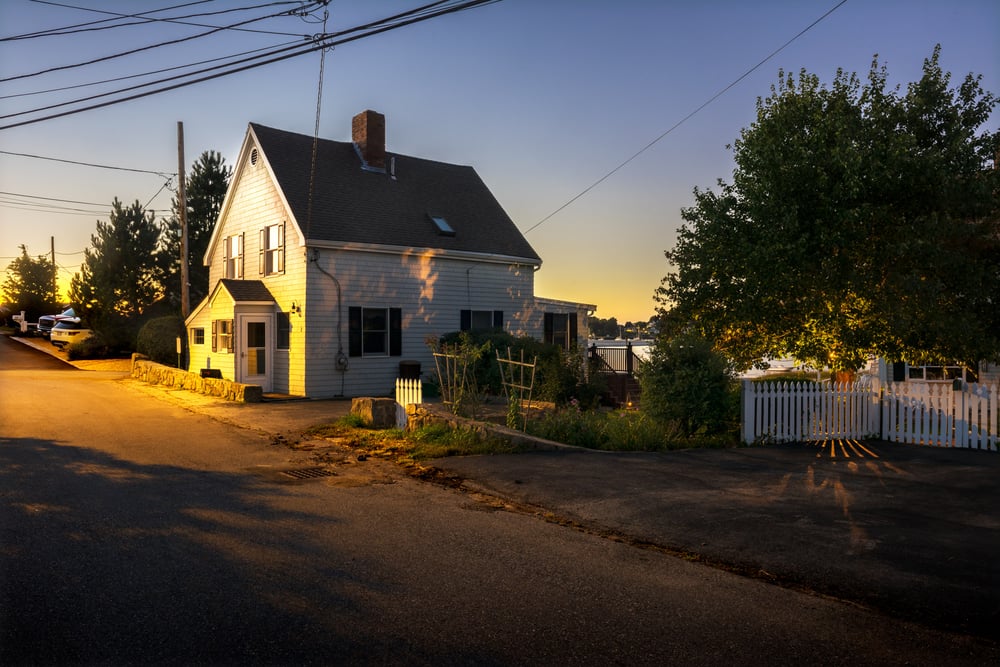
745, 412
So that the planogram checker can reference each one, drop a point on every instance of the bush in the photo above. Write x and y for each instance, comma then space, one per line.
559, 375
95, 347
158, 339
623, 431
685, 380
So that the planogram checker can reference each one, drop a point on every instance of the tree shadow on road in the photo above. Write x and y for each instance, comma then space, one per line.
106, 560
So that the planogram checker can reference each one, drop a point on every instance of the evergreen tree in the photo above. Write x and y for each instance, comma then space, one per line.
30, 285
205, 191
120, 277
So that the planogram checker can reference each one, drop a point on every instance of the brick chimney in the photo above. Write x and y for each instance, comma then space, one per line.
368, 134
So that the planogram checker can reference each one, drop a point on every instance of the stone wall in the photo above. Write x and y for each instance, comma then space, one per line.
154, 373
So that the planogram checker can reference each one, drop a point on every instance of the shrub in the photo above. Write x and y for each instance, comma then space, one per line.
158, 339
95, 347
559, 375
613, 431
686, 381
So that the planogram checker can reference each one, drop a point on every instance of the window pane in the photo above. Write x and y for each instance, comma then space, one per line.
482, 319
374, 342
256, 361
375, 319
375, 331
256, 334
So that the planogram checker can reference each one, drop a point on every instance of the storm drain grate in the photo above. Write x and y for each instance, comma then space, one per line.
308, 473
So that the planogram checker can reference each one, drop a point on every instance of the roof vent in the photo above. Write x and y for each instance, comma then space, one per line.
254, 156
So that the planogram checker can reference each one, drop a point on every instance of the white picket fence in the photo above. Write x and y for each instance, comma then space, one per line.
916, 413
408, 392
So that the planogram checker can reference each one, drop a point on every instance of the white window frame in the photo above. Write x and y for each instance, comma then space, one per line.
272, 250
233, 256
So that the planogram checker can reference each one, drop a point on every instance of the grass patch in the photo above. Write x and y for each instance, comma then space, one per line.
429, 442
621, 430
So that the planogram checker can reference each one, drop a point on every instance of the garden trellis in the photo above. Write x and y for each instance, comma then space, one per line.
518, 379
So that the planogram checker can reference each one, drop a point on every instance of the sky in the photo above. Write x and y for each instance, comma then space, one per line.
546, 99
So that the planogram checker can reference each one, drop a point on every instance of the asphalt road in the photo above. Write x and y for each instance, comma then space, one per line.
134, 530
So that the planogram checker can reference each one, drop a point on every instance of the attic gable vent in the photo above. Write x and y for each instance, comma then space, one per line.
444, 229
254, 156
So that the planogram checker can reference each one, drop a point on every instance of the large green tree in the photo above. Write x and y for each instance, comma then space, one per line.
205, 191
30, 285
861, 220
119, 279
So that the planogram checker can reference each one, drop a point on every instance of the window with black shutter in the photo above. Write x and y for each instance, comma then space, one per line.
374, 332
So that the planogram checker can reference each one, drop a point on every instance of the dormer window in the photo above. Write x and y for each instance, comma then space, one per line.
444, 229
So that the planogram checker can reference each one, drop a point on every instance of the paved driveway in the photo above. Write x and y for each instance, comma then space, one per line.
912, 531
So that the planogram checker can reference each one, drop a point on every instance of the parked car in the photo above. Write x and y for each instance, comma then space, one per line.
69, 330
47, 322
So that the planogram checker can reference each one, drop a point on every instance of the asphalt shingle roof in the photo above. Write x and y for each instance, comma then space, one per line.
353, 205
247, 290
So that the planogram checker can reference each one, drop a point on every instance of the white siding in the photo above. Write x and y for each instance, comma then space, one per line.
430, 289
254, 205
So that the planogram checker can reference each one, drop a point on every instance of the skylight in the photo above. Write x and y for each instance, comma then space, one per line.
443, 227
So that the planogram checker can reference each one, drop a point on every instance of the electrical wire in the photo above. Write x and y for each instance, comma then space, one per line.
161, 174
146, 19
150, 73
319, 42
683, 120
47, 32
141, 49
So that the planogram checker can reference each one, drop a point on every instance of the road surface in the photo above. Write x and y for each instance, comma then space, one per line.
134, 531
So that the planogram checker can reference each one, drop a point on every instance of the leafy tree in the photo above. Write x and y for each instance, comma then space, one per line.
120, 276
205, 191
687, 382
30, 285
860, 221
603, 328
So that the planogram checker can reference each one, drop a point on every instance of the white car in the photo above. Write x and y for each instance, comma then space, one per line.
68, 331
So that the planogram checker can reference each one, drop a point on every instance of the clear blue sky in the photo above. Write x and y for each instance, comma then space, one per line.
542, 97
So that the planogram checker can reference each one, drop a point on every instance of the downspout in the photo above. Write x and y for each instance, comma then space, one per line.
341, 361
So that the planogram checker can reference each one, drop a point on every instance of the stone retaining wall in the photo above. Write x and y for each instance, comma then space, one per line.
154, 373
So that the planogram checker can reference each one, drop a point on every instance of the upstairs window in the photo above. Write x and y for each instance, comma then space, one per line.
233, 256
272, 250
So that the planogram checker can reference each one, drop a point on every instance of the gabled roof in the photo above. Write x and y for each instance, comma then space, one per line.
241, 291
394, 207
244, 291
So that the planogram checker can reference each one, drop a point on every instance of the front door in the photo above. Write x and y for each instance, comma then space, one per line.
255, 345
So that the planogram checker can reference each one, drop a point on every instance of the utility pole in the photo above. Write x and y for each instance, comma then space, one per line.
182, 206
55, 271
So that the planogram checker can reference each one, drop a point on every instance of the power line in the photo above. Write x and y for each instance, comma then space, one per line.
61, 201
146, 19
684, 119
148, 47
319, 42
161, 174
149, 73
54, 31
